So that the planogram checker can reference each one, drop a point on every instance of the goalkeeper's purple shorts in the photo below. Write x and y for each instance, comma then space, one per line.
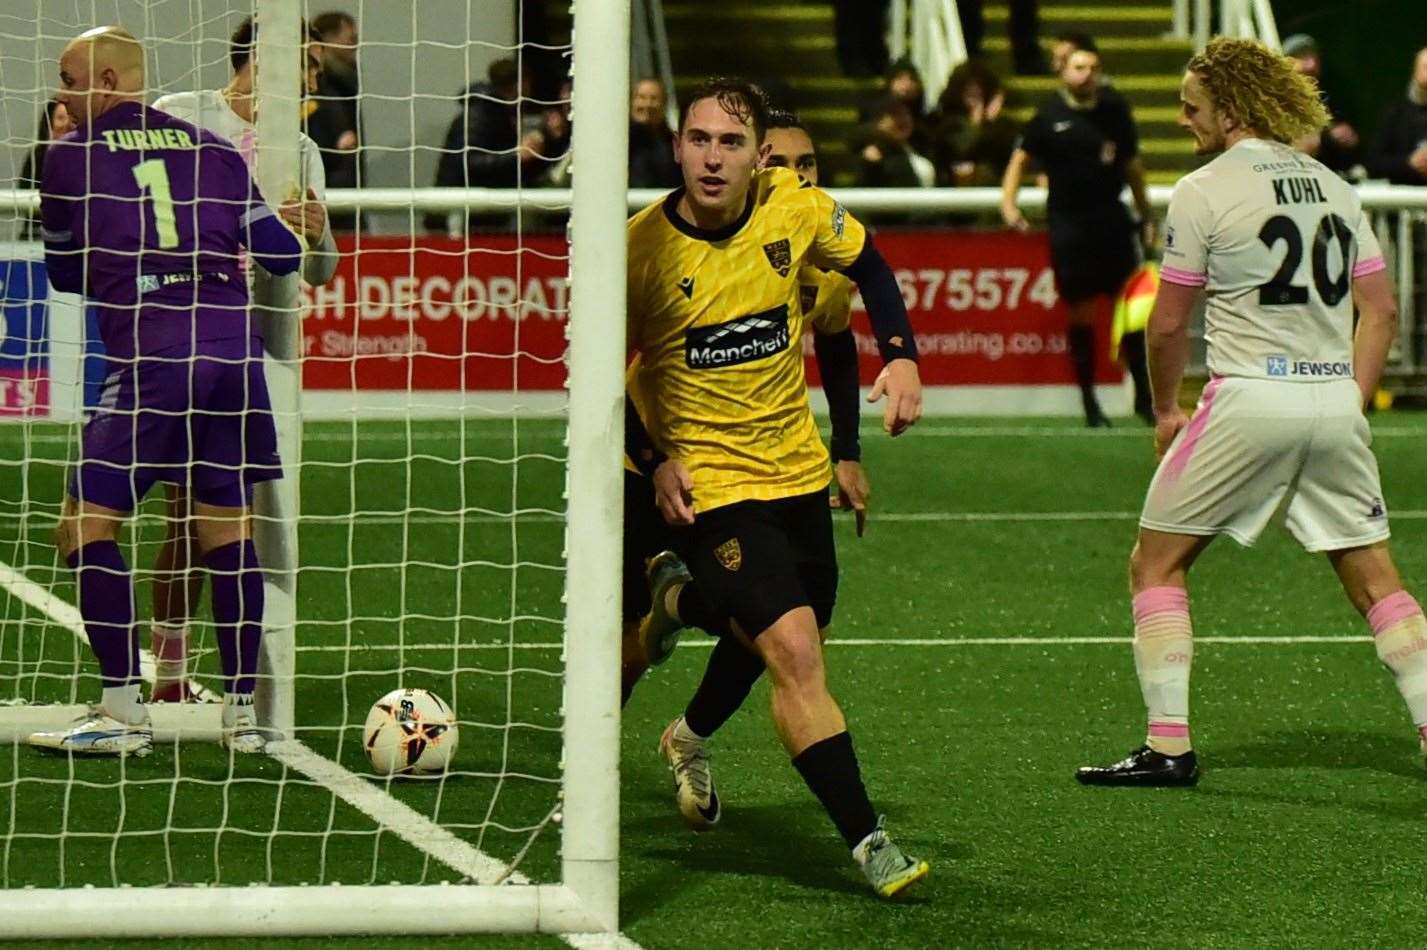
203, 421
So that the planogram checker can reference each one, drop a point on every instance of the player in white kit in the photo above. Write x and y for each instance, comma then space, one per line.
1281, 248
231, 112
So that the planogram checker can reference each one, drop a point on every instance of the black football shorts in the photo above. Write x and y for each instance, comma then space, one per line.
756, 560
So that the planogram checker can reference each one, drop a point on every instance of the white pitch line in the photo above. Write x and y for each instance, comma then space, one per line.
67, 615
992, 517
892, 517
1070, 432
479, 432
389, 813
709, 642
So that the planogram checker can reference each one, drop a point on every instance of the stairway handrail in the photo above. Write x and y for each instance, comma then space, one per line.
928, 32
1252, 19
649, 52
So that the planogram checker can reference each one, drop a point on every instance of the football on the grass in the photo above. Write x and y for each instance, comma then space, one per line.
410, 732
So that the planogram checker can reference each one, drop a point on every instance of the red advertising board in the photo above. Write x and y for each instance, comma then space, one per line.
985, 309
24, 392
439, 315
445, 315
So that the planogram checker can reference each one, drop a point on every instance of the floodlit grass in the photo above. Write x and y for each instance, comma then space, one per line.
1305, 830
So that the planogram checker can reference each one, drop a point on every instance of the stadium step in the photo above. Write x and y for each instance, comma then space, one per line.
790, 45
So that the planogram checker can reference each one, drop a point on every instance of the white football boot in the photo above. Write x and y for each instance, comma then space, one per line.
694, 790
98, 733
240, 726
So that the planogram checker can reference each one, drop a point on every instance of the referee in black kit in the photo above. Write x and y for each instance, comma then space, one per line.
1085, 139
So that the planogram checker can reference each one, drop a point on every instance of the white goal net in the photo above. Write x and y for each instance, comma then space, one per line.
448, 516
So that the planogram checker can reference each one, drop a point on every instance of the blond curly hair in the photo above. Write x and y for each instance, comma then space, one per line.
1260, 88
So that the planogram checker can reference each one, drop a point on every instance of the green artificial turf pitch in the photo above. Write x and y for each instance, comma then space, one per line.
1307, 828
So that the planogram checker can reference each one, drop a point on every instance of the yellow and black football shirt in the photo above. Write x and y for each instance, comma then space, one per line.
718, 319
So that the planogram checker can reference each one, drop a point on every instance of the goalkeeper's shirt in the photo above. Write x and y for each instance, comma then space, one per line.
717, 318
145, 213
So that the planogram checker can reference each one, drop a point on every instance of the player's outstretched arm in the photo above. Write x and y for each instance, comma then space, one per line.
271, 244
639, 445
673, 486
899, 380
307, 216
1167, 342
1377, 326
1010, 186
64, 259
837, 365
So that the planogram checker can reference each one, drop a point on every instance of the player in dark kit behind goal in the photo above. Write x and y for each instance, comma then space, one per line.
1085, 139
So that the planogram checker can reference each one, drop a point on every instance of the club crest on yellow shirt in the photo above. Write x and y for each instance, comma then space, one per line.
729, 554
780, 255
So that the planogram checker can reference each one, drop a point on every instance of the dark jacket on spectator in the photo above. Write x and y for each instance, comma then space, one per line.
651, 158
987, 145
336, 113
480, 144
1403, 130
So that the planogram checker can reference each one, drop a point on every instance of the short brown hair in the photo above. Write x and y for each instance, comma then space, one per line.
1261, 88
245, 39
738, 97
325, 24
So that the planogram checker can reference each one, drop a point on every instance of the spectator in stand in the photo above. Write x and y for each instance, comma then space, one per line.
904, 83
485, 145
651, 141
861, 28
884, 143
974, 136
1024, 27
334, 116
1065, 44
1337, 146
54, 123
1399, 153
557, 130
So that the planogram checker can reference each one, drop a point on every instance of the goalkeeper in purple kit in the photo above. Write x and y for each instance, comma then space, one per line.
145, 215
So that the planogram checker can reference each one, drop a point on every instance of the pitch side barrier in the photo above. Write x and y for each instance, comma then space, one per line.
425, 314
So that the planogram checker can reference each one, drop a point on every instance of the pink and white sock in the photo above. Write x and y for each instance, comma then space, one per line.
170, 648
1400, 635
1164, 653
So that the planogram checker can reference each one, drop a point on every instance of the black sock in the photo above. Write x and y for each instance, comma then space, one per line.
1081, 340
1132, 347
830, 769
695, 611
730, 675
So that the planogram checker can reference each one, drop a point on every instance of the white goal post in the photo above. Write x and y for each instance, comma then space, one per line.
491, 898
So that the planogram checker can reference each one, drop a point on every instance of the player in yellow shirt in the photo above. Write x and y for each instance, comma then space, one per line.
733, 668
716, 316
649, 639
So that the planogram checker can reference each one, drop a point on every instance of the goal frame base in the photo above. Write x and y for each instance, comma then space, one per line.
320, 910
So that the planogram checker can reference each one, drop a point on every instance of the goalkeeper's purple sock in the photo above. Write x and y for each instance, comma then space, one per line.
237, 612
106, 601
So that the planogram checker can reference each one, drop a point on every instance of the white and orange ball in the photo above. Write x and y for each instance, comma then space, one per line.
410, 732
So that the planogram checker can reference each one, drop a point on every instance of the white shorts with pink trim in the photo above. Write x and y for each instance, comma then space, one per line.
1256, 445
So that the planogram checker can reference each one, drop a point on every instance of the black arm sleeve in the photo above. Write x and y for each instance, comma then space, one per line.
837, 364
883, 299
638, 443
